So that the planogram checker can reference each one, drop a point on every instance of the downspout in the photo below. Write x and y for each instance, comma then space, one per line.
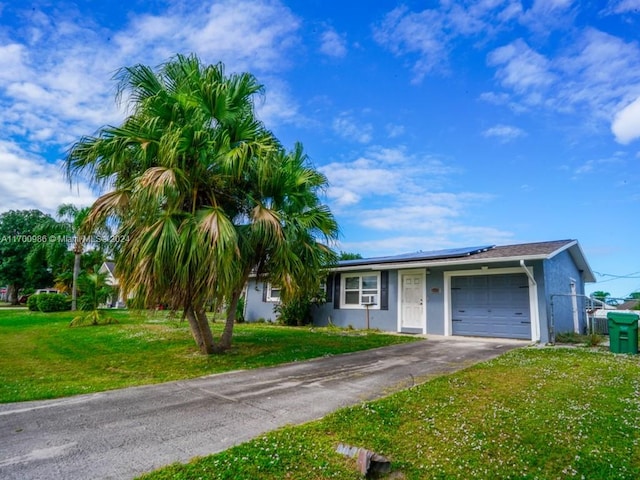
534, 307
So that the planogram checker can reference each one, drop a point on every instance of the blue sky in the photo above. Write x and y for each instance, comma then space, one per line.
438, 124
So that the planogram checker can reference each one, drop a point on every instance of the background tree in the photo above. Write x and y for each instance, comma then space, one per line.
48, 259
203, 193
74, 218
349, 256
283, 218
95, 292
601, 295
605, 297
20, 233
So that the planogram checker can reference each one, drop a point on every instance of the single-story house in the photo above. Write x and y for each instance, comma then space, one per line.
526, 291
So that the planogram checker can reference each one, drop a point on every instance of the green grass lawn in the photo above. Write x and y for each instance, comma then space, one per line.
553, 413
41, 357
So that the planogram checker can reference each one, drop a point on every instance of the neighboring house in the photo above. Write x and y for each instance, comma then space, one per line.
629, 305
526, 291
116, 300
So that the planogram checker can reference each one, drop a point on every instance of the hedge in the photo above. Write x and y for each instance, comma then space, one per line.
50, 302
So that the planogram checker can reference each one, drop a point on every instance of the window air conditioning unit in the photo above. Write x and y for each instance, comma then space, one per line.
368, 300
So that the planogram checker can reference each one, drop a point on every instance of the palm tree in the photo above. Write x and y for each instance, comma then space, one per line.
183, 168
279, 228
74, 218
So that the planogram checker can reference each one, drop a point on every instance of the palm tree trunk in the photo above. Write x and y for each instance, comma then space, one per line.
74, 286
205, 330
200, 330
227, 333
195, 328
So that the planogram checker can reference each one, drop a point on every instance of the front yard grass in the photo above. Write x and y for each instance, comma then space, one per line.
551, 413
42, 357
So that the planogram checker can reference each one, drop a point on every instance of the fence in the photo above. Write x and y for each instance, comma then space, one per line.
594, 310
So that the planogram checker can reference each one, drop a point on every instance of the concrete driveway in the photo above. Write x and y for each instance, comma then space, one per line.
124, 433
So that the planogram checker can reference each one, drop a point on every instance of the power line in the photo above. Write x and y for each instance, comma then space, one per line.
617, 277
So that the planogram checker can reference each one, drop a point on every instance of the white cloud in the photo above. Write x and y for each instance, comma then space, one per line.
598, 72
505, 133
591, 77
599, 166
63, 68
626, 123
480, 17
333, 44
424, 212
384, 174
394, 131
389, 190
266, 30
623, 6
428, 37
545, 15
12, 62
29, 182
350, 182
404, 32
521, 68
278, 106
589, 72
56, 81
350, 129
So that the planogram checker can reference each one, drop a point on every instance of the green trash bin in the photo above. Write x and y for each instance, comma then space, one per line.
623, 332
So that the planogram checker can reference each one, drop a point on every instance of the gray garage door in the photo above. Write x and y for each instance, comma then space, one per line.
491, 306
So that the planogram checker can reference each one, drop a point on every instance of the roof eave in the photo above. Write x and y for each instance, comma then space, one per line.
432, 263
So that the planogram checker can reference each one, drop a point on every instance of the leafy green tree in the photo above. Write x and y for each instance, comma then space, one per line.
21, 232
601, 295
48, 259
349, 256
203, 194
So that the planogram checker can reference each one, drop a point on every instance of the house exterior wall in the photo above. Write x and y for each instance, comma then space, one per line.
560, 271
378, 319
256, 307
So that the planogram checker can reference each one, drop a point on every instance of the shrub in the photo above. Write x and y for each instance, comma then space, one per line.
593, 340
569, 337
32, 303
52, 302
295, 312
240, 310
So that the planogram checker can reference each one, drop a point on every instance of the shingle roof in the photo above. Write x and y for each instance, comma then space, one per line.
539, 249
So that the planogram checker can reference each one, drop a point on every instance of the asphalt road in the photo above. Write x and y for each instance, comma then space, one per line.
123, 433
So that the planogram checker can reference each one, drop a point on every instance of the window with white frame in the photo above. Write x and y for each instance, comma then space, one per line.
273, 293
360, 289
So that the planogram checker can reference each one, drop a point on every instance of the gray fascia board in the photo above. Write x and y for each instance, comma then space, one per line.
427, 263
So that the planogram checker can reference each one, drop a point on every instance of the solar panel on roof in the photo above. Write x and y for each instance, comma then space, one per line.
431, 255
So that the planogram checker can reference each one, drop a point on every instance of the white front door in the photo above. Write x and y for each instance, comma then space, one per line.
412, 301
